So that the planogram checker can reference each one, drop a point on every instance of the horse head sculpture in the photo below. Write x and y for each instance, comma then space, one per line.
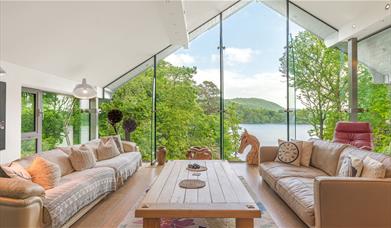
247, 139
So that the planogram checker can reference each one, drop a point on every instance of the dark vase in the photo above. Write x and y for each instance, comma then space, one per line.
161, 155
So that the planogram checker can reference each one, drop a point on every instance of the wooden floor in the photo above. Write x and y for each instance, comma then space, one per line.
112, 211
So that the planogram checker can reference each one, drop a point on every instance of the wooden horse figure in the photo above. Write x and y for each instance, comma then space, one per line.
199, 153
248, 139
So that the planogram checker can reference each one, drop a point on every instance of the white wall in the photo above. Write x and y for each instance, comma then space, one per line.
17, 77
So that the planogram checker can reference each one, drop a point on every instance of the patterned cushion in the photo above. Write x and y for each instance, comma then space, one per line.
373, 168
107, 150
351, 167
82, 158
76, 191
45, 173
289, 152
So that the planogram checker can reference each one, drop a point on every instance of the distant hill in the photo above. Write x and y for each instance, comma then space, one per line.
256, 103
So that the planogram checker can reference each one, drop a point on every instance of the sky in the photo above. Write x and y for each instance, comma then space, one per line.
254, 40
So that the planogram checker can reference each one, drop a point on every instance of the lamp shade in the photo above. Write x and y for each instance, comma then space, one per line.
84, 90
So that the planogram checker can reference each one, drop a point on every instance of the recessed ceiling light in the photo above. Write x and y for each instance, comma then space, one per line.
387, 6
354, 26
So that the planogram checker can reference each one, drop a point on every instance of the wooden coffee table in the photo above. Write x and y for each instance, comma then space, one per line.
224, 195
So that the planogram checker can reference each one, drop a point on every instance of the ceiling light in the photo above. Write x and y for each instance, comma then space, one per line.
354, 26
84, 91
387, 6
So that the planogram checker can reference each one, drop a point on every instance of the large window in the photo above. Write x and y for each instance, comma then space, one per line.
50, 120
374, 90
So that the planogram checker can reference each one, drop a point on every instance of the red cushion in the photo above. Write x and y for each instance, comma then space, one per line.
358, 134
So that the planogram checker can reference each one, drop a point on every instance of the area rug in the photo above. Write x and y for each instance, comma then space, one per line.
265, 221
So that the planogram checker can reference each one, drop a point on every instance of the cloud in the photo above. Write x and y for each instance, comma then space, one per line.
268, 86
237, 55
180, 59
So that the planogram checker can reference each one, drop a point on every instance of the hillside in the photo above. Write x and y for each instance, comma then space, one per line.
256, 103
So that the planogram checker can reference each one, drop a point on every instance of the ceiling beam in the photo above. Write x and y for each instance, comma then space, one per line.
174, 18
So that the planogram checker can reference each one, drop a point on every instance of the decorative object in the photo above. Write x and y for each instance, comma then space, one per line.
351, 166
114, 116
2, 114
289, 152
196, 167
247, 139
192, 184
129, 126
161, 155
199, 153
84, 91
45, 173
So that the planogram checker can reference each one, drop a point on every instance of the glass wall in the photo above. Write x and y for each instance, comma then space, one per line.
134, 100
188, 97
374, 87
255, 86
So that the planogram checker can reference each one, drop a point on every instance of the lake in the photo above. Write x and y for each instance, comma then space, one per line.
268, 134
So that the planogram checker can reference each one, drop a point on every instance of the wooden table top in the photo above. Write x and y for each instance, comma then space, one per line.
224, 195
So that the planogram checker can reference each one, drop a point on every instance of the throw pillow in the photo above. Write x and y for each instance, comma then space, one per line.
351, 166
45, 173
14, 170
107, 150
289, 152
306, 152
117, 140
82, 158
373, 168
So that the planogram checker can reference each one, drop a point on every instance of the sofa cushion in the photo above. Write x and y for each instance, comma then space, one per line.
60, 158
289, 152
298, 193
117, 140
82, 158
373, 168
45, 173
107, 150
76, 191
325, 156
273, 171
384, 159
15, 170
125, 165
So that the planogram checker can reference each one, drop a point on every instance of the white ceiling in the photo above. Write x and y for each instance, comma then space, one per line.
97, 40
102, 40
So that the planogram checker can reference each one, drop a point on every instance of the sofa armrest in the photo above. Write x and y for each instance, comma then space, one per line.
19, 189
268, 153
129, 146
352, 202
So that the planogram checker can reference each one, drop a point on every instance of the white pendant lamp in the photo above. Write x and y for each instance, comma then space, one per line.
84, 91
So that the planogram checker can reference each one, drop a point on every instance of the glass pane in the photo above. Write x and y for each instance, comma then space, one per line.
374, 90
29, 147
318, 78
28, 111
56, 121
188, 98
134, 100
80, 122
255, 86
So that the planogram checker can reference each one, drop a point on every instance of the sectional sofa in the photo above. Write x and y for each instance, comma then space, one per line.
320, 198
26, 204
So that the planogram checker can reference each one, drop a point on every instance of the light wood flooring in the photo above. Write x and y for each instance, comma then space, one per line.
112, 210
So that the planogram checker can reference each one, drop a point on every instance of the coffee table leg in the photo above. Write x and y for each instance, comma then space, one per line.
244, 223
151, 222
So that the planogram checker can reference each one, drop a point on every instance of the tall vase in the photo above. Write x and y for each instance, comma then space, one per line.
161, 155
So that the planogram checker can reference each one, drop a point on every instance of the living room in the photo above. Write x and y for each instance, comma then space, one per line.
195, 114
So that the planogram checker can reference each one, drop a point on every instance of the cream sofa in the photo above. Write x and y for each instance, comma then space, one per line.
26, 204
320, 198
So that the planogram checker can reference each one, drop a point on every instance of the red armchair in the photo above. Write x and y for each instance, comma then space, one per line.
358, 134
